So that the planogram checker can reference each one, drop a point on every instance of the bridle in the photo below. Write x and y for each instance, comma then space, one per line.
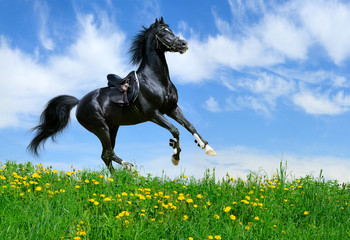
171, 46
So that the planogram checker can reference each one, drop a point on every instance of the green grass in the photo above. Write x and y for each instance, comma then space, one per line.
41, 203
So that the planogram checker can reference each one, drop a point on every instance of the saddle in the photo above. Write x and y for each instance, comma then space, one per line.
125, 90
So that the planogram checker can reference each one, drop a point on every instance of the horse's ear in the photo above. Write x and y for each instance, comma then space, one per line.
156, 22
161, 20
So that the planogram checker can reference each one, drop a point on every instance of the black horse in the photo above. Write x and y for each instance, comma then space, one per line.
157, 96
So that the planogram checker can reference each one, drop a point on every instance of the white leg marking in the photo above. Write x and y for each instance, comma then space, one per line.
175, 150
199, 141
129, 167
209, 150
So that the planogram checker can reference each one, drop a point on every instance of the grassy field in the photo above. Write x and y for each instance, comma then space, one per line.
37, 202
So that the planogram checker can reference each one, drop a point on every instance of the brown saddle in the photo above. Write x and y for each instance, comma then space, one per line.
125, 90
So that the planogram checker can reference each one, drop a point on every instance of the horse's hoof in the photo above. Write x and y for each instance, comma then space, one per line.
209, 150
130, 167
175, 160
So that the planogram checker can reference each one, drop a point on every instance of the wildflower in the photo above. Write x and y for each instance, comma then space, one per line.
68, 173
216, 216
285, 189
190, 238
124, 194
96, 203
245, 201
233, 217
38, 189
217, 237
36, 175
185, 217
247, 197
107, 199
208, 203
181, 197
210, 237
283, 232
256, 218
77, 238
86, 181
77, 186
227, 209
96, 183
195, 205
102, 195
199, 196
55, 171
306, 213
247, 227
189, 200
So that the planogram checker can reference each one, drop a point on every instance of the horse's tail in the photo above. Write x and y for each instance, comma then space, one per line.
53, 120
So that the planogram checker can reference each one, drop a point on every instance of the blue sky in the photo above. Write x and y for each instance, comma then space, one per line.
262, 81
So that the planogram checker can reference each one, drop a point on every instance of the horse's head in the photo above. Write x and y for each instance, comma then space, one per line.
166, 39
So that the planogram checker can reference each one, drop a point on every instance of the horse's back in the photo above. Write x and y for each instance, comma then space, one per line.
97, 106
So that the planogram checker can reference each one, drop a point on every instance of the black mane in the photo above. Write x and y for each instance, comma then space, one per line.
138, 43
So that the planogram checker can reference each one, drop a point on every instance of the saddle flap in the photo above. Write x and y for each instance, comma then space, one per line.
124, 90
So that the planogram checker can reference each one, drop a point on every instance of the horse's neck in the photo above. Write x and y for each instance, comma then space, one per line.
155, 65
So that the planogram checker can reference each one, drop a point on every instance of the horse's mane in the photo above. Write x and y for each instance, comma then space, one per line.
138, 43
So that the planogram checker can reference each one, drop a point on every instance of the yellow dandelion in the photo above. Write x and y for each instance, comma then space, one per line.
256, 218
185, 217
227, 209
195, 205
233, 217
36, 175
306, 213
189, 200
96, 182
77, 186
96, 203
199, 196
38, 189
210, 237
217, 237
190, 238
124, 194
246, 227
107, 199
216, 216
86, 181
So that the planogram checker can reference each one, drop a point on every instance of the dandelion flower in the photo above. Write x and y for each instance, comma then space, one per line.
36, 175
185, 217
227, 209
38, 189
233, 217
210, 237
199, 196
190, 238
96, 203
217, 237
256, 218
216, 216
107, 199
306, 213
189, 200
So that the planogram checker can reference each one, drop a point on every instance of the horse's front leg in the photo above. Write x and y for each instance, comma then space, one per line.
178, 116
159, 119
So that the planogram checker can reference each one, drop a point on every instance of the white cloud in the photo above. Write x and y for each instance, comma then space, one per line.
328, 22
318, 103
98, 49
212, 105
